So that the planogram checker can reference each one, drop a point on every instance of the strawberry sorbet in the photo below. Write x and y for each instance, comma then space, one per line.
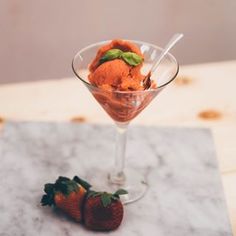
116, 74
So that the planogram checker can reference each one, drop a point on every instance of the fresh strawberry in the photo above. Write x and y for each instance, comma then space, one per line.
103, 211
67, 195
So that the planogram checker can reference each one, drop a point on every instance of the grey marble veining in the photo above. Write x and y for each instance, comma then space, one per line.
185, 195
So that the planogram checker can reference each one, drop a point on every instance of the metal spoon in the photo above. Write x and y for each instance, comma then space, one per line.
147, 80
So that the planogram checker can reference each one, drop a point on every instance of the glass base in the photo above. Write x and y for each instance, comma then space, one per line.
133, 181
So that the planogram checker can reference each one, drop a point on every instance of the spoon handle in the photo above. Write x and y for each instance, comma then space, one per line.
170, 44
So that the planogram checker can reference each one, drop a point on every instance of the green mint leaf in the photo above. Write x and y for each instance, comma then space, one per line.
106, 199
120, 192
131, 58
111, 55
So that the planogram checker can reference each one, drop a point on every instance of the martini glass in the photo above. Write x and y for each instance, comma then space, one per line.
124, 106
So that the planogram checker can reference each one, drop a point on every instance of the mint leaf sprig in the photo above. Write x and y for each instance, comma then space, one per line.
130, 58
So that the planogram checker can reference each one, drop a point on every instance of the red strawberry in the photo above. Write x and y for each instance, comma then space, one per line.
103, 211
67, 195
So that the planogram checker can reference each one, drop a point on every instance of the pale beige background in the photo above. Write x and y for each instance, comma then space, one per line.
39, 38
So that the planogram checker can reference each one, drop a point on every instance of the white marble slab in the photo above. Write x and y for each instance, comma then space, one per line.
185, 195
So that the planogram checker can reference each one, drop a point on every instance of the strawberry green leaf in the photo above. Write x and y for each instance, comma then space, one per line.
121, 192
44, 200
82, 182
66, 186
131, 58
97, 194
115, 198
71, 187
62, 178
90, 193
49, 188
106, 199
47, 200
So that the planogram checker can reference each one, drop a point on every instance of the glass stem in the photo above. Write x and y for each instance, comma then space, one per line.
118, 176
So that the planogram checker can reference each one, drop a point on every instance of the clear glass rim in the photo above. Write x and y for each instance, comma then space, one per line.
126, 92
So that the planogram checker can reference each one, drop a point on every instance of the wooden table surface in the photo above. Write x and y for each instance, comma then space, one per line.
202, 96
